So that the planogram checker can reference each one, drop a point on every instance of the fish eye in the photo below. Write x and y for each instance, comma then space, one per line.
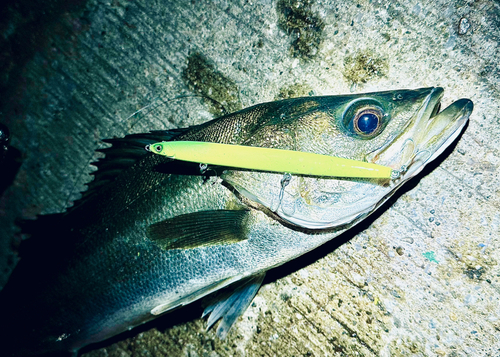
158, 148
367, 121
364, 118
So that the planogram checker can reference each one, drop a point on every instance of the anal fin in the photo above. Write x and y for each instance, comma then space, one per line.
232, 303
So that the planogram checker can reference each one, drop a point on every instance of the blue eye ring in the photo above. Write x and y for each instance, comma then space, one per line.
367, 121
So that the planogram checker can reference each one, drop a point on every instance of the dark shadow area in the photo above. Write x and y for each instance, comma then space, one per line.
10, 160
10, 166
34, 22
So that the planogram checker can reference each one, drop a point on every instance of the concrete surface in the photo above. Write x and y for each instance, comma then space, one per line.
422, 279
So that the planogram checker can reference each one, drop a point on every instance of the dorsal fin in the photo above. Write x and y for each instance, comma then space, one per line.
123, 153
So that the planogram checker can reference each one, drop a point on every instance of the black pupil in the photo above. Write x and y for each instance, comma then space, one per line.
158, 148
367, 123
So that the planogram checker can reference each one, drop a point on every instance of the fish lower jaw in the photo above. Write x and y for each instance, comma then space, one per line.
413, 165
414, 156
421, 158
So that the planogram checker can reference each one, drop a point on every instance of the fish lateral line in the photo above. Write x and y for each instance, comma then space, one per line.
268, 159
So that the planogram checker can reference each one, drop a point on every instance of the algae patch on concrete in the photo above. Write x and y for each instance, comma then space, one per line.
364, 66
220, 92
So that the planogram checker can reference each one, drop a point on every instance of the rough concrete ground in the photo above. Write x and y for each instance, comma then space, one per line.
420, 280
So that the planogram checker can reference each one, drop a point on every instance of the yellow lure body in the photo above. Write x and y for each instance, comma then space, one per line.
265, 159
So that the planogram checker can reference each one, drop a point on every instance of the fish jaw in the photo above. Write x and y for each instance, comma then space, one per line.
428, 134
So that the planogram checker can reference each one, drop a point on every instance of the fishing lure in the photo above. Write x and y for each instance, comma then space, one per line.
266, 159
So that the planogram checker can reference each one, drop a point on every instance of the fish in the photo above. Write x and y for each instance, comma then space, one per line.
152, 234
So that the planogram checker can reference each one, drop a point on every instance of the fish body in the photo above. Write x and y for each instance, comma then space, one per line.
152, 234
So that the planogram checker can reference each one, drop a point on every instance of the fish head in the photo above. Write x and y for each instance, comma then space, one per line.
402, 129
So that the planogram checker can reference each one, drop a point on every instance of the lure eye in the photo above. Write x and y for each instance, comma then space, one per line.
367, 121
158, 148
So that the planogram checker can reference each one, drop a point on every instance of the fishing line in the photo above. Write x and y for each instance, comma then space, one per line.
163, 102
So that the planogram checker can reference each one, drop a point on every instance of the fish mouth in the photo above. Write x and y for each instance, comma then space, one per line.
427, 134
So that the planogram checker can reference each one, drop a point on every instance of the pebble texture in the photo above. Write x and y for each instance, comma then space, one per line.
422, 278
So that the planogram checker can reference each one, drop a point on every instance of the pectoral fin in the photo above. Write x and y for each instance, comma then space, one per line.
232, 303
199, 229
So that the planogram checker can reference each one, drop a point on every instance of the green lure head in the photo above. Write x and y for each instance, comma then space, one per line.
160, 149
